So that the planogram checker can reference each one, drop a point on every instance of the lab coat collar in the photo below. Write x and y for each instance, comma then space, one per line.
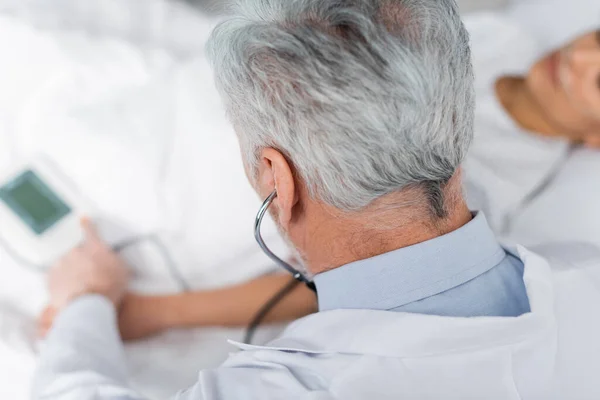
416, 335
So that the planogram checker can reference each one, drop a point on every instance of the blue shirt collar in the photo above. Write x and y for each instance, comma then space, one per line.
412, 273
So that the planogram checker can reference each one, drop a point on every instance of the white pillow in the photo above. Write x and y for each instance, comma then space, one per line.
554, 22
477, 5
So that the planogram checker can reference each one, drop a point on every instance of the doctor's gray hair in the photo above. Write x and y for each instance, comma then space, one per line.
364, 97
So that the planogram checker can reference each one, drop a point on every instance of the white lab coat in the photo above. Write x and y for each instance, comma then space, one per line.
553, 352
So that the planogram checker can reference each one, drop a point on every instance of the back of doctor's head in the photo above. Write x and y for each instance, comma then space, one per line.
364, 97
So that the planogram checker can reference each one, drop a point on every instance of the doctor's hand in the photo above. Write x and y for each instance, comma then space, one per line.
91, 268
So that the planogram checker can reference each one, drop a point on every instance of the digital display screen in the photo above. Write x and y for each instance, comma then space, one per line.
34, 202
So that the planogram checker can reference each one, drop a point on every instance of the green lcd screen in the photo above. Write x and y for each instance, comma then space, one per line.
33, 202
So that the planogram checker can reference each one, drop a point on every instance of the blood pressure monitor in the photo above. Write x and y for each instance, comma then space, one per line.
39, 212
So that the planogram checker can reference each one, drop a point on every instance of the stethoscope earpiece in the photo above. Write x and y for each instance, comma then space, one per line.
257, 224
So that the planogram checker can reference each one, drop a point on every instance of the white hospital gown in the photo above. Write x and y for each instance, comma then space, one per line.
506, 164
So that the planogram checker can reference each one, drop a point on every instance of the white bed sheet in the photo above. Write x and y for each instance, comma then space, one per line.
129, 57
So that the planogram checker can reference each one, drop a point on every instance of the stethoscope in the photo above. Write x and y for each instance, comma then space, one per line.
257, 224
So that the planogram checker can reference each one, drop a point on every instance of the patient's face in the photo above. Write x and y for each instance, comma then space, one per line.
566, 84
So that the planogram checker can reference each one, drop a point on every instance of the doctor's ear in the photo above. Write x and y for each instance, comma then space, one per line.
275, 173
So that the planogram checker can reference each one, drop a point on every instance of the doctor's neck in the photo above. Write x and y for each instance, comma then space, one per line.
392, 222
